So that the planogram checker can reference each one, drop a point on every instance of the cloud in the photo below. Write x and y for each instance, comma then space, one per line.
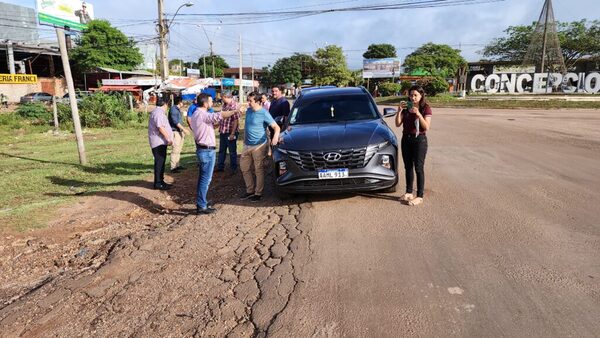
471, 26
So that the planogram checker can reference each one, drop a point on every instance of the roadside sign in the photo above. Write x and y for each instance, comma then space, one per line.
18, 78
75, 14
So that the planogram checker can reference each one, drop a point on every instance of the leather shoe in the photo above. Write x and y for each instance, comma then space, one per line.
205, 211
162, 186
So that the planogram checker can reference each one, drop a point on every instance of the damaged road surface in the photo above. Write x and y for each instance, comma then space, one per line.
507, 243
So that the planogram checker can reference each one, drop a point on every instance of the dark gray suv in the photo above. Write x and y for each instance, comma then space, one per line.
335, 140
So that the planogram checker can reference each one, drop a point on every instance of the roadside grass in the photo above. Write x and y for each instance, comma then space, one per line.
449, 101
40, 172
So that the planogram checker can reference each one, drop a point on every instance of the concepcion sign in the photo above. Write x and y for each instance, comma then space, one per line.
537, 83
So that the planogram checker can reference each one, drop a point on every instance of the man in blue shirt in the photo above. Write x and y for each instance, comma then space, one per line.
280, 105
256, 146
179, 132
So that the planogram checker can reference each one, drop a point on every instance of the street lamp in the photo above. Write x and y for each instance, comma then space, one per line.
187, 4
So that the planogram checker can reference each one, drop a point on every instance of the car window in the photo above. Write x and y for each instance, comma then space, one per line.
334, 108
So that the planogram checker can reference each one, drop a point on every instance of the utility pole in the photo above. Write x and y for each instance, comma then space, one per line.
204, 61
62, 43
11, 57
162, 33
252, 66
241, 78
212, 57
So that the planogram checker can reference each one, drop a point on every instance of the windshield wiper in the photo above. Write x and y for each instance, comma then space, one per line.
320, 121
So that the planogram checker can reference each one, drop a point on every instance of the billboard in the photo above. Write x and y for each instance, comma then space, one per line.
22, 29
74, 14
381, 68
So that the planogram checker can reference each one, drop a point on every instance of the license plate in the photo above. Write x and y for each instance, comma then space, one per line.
331, 174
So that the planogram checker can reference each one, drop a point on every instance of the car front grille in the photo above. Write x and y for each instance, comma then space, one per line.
348, 158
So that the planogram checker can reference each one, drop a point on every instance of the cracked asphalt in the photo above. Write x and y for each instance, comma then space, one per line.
507, 244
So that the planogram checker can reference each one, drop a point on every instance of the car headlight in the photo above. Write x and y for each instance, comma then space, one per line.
375, 147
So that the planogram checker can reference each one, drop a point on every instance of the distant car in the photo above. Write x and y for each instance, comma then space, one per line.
36, 97
78, 94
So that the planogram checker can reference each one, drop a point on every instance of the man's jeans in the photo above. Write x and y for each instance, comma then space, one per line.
206, 165
224, 145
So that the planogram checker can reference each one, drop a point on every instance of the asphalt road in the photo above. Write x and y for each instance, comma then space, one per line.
507, 244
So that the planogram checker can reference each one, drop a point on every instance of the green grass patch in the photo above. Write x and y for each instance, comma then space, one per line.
40, 171
449, 101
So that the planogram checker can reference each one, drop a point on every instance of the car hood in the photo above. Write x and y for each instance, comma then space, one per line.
340, 135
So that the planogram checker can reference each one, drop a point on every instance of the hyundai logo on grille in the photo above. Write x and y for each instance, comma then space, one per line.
332, 157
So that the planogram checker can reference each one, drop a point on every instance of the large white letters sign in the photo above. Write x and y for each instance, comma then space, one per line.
541, 83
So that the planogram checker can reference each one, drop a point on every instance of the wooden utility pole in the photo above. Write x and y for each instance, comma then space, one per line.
55, 115
212, 57
162, 33
62, 44
241, 94
252, 66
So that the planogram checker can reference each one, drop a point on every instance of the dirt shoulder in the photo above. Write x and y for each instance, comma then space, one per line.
117, 262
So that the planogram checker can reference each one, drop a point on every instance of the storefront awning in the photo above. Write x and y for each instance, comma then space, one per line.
115, 88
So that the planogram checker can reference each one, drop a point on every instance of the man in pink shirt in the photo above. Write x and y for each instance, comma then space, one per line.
203, 127
160, 136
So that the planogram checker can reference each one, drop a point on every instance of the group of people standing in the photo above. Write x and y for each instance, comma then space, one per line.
260, 133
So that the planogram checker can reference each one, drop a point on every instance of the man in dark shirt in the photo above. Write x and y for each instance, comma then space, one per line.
179, 132
280, 105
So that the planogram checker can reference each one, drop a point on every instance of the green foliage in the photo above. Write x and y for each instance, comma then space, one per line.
98, 110
11, 121
102, 45
578, 39
331, 67
433, 85
356, 78
439, 60
380, 51
285, 70
220, 64
405, 86
291, 69
389, 88
36, 112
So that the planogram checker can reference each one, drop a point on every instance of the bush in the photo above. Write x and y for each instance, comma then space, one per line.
99, 110
405, 86
389, 88
11, 120
36, 112
434, 85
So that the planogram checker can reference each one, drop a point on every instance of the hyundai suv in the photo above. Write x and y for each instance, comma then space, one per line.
336, 140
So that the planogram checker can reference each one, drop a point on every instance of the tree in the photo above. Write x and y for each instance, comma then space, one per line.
308, 65
220, 64
102, 45
331, 67
438, 60
578, 39
285, 70
380, 51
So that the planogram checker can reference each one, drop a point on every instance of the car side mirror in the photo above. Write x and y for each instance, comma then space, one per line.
389, 112
280, 120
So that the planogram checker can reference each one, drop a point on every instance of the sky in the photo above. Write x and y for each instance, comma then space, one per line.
465, 27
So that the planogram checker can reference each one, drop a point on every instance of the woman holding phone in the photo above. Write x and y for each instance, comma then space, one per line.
415, 117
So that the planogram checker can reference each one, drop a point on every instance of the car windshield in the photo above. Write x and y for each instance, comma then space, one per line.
333, 108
